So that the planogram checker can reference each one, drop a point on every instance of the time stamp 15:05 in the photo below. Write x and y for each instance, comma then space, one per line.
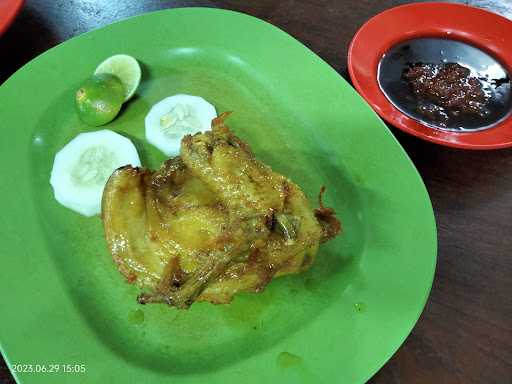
49, 368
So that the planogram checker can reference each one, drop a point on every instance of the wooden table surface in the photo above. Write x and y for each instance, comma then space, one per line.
465, 333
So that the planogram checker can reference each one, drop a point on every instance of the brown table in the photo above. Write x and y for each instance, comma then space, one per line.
465, 333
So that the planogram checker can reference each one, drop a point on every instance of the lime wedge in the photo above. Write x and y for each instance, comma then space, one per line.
126, 68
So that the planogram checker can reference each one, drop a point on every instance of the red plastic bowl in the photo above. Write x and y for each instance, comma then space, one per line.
8, 11
482, 29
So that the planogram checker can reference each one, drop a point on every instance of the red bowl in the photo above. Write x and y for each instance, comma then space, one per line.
482, 29
8, 11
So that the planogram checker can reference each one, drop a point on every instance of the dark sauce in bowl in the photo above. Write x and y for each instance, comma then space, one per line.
446, 84
445, 91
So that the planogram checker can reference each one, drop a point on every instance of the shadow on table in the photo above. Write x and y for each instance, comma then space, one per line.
26, 38
471, 177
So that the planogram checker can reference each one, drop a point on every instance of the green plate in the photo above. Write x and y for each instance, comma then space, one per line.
64, 301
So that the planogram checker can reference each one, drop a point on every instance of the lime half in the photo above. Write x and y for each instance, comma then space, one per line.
126, 68
99, 99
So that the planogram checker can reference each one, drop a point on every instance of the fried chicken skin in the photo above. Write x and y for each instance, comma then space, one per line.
209, 223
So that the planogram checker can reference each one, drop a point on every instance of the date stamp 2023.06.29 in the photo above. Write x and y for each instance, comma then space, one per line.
54, 368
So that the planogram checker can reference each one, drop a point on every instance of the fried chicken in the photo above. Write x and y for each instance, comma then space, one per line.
209, 223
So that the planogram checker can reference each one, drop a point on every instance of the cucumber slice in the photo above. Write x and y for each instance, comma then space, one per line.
174, 117
82, 167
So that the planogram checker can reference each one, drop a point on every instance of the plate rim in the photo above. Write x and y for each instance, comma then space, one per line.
13, 11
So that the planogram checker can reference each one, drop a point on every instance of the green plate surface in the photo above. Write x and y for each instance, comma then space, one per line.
65, 303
